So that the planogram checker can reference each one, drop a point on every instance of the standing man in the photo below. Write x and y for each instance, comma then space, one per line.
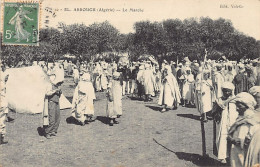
224, 115
173, 67
133, 76
188, 88
114, 99
169, 90
218, 81
229, 77
206, 95
149, 82
240, 80
53, 96
180, 78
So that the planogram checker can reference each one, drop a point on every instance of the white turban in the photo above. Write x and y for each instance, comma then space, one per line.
228, 85
254, 90
246, 99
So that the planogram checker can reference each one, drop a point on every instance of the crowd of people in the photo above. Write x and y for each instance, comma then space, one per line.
228, 92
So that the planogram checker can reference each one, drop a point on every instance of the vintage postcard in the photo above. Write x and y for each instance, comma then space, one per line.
129, 83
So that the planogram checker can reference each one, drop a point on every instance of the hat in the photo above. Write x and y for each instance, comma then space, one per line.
254, 90
228, 85
246, 99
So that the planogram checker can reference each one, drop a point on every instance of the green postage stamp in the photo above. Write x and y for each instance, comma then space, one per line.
20, 23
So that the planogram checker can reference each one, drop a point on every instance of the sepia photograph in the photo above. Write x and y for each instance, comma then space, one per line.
128, 83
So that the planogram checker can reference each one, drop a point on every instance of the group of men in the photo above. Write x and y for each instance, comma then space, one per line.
225, 90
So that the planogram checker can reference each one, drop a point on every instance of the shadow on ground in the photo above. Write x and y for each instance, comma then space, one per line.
190, 106
191, 116
135, 98
40, 131
104, 120
196, 159
155, 108
72, 120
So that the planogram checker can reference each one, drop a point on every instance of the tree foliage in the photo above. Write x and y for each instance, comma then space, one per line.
170, 39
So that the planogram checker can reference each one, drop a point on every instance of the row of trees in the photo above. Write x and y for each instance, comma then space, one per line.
170, 39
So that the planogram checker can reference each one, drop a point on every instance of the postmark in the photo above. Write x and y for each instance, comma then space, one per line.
20, 23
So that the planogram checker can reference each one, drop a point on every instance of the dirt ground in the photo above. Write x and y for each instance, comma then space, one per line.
144, 137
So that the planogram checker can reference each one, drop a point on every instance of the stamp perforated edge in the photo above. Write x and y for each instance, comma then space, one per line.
39, 21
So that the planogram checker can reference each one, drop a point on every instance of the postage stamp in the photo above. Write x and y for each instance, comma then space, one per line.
20, 23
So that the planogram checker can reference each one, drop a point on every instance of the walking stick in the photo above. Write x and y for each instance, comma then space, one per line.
201, 121
203, 139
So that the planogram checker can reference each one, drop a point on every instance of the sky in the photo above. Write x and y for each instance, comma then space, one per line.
245, 18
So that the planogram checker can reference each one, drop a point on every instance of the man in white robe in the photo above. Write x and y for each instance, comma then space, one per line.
206, 95
149, 82
114, 99
82, 103
140, 81
169, 91
245, 126
188, 87
224, 114
97, 72
218, 81
76, 75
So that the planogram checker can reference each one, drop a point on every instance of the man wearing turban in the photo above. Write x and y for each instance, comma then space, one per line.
255, 91
241, 132
149, 82
169, 91
82, 103
224, 114
240, 80
205, 94
114, 98
188, 88
218, 81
